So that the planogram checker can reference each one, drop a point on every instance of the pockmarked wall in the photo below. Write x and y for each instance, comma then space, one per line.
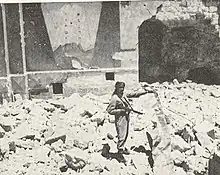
72, 23
173, 39
72, 29
135, 13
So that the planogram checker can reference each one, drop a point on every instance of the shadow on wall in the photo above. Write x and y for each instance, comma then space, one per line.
191, 50
39, 53
108, 36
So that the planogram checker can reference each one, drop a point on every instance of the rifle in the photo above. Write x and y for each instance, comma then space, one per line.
132, 109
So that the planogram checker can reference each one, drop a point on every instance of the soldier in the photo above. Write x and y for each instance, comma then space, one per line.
120, 107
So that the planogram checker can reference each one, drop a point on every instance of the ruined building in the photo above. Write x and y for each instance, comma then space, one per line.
62, 48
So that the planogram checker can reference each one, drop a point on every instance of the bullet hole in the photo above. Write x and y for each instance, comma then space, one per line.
65, 25
71, 22
78, 14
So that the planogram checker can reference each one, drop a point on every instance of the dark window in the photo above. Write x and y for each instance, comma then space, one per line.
110, 76
57, 88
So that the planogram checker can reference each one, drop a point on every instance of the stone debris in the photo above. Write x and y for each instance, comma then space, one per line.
75, 135
179, 144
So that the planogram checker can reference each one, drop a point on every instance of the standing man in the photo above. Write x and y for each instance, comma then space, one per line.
119, 107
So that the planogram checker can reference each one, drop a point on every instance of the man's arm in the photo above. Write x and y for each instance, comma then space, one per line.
111, 109
138, 93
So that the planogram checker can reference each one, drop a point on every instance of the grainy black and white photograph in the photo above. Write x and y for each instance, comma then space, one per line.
110, 87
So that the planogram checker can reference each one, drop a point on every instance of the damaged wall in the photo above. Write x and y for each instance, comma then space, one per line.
81, 82
190, 28
72, 29
87, 36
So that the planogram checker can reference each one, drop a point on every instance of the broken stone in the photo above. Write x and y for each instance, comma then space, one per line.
190, 152
15, 112
86, 114
204, 139
49, 109
7, 124
217, 134
24, 130
12, 146
28, 144
211, 133
57, 146
75, 159
55, 139
98, 118
179, 171
197, 164
41, 154
91, 147
96, 168
178, 157
105, 150
3, 151
46, 133
215, 93
63, 167
140, 162
179, 144
81, 144
175, 82
203, 127
62, 107
187, 134
2, 132
17, 97
199, 150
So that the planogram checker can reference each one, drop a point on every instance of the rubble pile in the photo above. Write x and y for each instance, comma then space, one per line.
75, 135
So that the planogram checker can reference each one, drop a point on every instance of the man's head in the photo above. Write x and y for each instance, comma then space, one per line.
119, 88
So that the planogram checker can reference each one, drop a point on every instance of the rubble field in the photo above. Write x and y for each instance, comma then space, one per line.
178, 134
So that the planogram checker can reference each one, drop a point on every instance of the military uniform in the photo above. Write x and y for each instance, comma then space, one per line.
117, 107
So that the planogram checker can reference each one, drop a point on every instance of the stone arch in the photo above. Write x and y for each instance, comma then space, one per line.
150, 37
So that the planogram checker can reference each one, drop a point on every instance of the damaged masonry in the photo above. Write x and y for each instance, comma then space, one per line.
58, 66
75, 135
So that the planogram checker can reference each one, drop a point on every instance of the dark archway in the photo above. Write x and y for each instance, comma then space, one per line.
150, 37
203, 75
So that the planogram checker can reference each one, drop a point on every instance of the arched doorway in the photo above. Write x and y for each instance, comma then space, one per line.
150, 37
203, 75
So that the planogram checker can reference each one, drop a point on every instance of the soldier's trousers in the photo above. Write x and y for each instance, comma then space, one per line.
122, 127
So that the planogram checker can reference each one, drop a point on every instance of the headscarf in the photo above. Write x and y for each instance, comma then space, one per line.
118, 84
